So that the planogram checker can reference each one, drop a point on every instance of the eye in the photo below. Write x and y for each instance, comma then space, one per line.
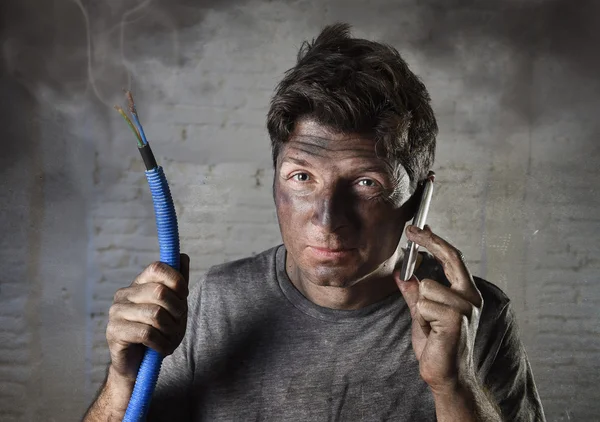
301, 177
369, 183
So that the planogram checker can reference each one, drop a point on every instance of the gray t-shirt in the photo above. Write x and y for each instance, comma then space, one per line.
257, 350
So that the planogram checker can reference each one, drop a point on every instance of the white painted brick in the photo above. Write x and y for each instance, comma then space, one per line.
13, 307
12, 291
111, 242
118, 226
13, 324
212, 106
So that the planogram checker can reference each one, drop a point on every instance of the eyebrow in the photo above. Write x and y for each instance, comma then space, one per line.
368, 168
298, 161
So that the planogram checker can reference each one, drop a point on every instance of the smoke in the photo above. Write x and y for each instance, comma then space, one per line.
557, 27
537, 35
75, 56
72, 46
65, 63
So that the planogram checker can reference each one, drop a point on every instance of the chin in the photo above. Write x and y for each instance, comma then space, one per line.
334, 277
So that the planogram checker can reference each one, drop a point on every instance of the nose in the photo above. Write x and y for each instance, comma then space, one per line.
331, 210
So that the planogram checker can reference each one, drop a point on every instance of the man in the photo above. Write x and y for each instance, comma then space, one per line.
321, 327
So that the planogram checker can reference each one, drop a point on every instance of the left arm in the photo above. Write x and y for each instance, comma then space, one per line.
509, 378
445, 321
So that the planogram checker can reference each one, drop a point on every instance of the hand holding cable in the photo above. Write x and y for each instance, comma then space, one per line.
151, 312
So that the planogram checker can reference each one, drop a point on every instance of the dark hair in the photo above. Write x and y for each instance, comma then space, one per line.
354, 85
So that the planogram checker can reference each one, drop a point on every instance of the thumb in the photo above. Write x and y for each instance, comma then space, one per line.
184, 266
409, 289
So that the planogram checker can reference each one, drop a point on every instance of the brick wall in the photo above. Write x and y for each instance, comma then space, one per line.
514, 165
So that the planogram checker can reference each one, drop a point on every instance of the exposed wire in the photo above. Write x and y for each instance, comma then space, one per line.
134, 115
137, 135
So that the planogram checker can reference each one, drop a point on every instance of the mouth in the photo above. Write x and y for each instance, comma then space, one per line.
329, 253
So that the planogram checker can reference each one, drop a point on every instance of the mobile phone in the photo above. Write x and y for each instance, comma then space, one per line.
412, 249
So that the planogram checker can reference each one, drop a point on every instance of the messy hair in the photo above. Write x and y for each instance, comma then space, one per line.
353, 85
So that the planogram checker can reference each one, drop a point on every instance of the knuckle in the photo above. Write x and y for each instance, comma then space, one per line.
155, 312
110, 331
155, 268
429, 236
160, 292
146, 334
120, 294
426, 285
456, 254
113, 311
113, 332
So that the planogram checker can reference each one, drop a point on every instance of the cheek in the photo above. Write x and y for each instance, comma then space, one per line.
282, 204
282, 199
288, 210
290, 205
375, 212
380, 219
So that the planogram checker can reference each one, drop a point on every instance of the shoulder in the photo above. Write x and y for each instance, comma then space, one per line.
260, 263
245, 277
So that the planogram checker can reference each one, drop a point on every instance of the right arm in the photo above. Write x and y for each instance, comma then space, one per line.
151, 312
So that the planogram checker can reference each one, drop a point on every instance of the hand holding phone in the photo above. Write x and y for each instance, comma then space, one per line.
410, 256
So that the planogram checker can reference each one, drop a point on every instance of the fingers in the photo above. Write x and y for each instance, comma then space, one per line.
431, 303
152, 311
149, 314
436, 292
442, 318
410, 292
154, 294
159, 272
125, 333
451, 259
409, 289
145, 313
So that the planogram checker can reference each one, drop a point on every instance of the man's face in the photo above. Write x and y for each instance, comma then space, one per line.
338, 216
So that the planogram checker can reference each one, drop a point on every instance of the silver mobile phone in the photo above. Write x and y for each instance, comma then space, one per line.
410, 256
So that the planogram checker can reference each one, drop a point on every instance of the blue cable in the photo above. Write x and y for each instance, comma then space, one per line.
168, 242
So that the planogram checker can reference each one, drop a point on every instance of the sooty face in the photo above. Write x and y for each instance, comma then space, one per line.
341, 211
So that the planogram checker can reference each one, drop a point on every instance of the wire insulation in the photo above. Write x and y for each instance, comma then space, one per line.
133, 129
148, 157
136, 118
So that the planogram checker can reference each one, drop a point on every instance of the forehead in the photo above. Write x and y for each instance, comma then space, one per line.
315, 142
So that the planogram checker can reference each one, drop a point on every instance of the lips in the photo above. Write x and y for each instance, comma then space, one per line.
326, 249
330, 254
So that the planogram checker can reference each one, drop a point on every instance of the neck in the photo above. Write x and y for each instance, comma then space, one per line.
370, 289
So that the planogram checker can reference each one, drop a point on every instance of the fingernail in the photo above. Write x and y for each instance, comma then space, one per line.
413, 229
